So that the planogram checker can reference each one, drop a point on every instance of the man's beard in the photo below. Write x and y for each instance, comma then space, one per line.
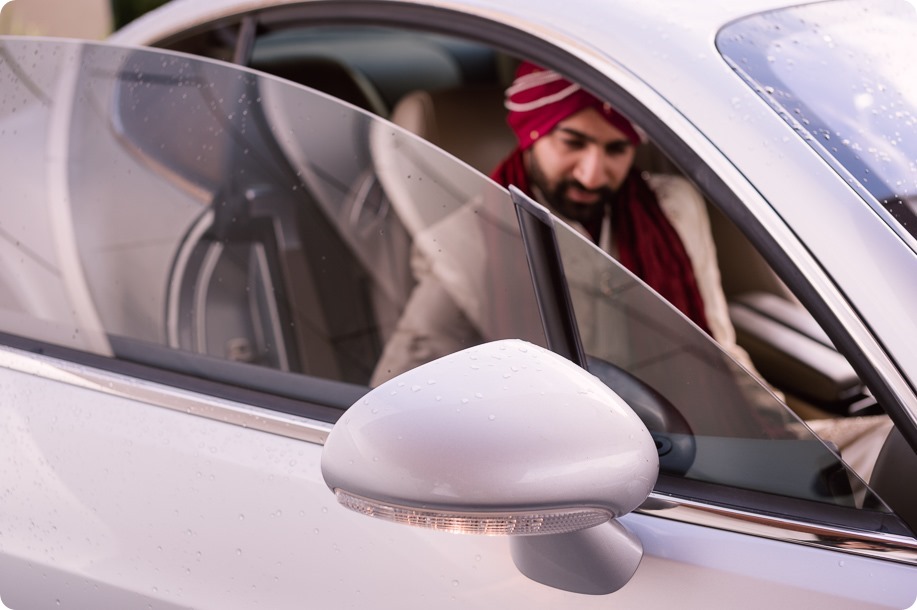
556, 199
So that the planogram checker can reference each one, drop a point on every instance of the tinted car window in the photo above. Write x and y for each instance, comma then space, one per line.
158, 200
800, 59
712, 421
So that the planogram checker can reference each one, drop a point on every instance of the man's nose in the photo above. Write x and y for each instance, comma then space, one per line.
590, 169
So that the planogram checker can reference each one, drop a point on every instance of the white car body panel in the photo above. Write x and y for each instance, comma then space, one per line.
146, 504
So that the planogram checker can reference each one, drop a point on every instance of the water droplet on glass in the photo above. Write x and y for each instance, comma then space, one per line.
491, 417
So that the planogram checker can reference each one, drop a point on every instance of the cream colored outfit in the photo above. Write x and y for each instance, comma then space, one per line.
446, 310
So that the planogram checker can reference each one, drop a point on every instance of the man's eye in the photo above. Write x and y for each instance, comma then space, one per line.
617, 148
573, 143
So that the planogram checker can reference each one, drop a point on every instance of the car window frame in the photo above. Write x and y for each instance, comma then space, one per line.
790, 263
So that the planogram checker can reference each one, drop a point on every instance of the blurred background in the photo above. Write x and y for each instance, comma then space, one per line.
92, 19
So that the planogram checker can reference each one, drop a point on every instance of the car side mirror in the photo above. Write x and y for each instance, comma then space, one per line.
503, 439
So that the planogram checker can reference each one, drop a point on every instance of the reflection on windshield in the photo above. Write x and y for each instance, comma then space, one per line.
842, 73
156, 199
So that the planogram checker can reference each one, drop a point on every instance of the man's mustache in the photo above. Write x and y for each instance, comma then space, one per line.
606, 193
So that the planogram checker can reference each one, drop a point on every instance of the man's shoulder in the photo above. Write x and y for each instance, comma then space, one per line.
679, 200
672, 189
669, 184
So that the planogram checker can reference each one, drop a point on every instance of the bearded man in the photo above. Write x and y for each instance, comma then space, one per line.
575, 155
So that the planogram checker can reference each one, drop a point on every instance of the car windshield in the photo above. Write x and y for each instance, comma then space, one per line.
842, 74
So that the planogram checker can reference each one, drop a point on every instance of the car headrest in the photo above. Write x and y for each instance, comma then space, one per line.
468, 122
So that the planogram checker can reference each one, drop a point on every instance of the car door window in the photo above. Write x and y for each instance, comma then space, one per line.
713, 421
186, 207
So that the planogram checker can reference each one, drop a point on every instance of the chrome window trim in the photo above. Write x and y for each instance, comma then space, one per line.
876, 545
167, 397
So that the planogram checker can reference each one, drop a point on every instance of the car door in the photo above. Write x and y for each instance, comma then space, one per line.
144, 467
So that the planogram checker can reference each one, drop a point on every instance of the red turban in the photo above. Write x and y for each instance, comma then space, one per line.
539, 99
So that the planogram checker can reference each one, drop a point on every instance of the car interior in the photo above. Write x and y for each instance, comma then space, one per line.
452, 95
450, 92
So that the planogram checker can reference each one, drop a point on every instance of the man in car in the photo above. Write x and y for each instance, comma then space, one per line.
575, 155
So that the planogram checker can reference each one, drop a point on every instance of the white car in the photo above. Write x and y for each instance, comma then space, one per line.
208, 225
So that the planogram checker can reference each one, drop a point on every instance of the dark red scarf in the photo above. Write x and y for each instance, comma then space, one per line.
647, 244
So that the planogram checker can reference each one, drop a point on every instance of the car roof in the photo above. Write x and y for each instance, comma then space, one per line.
656, 22
667, 42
